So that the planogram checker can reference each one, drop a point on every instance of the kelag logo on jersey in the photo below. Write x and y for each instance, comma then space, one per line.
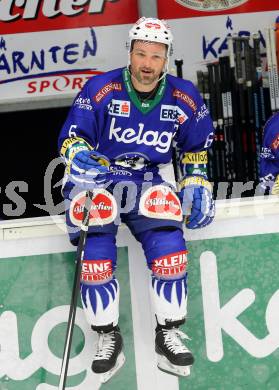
161, 140
173, 114
119, 108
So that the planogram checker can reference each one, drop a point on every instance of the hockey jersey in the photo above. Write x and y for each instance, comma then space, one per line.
138, 136
269, 166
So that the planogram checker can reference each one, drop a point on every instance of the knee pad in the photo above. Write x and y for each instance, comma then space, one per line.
165, 252
99, 288
99, 260
101, 246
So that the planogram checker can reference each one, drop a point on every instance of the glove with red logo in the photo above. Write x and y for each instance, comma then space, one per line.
85, 166
197, 202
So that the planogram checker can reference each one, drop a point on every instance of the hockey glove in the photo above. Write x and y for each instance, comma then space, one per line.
197, 202
85, 166
269, 184
275, 187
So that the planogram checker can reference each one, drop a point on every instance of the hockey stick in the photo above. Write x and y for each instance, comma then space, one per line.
75, 291
226, 101
205, 89
274, 66
241, 107
270, 72
230, 77
220, 122
202, 78
251, 127
178, 64
256, 100
175, 152
214, 116
259, 79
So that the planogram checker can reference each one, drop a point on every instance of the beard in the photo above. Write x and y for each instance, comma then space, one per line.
145, 77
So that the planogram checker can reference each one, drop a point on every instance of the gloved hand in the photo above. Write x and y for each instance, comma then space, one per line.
275, 187
197, 202
269, 184
87, 168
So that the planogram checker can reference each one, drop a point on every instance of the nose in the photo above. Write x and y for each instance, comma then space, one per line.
147, 62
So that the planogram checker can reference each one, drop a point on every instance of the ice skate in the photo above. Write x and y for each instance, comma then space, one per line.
109, 357
173, 356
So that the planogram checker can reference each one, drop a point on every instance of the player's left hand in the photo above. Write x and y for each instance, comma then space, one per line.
275, 187
197, 202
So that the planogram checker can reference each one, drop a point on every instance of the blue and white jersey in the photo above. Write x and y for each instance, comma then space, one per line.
269, 167
137, 136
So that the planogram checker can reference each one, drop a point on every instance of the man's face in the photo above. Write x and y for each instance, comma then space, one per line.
147, 61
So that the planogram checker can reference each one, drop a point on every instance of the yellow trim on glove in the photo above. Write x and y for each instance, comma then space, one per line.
275, 188
101, 160
70, 142
195, 158
196, 180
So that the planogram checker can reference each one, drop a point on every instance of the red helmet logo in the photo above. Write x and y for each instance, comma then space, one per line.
153, 25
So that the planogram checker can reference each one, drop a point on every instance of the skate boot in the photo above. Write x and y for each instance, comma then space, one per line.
173, 356
109, 357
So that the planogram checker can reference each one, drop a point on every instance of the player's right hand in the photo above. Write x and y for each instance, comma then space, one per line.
197, 202
87, 168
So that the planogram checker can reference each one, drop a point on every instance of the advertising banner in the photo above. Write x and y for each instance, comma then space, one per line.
173, 9
200, 40
52, 47
34, 322
232, 318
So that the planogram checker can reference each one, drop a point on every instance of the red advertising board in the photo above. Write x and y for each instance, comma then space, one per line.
52, 47
44, 15
174, 9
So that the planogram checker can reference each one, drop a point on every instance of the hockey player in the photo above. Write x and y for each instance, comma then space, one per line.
120, 129
269, 162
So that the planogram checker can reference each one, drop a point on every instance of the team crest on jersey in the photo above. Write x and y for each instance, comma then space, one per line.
103, 209
119, 108
131, 160
172, 114
161, 202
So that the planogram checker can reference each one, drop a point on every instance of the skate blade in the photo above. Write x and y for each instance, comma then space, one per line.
119, 363
165, 365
